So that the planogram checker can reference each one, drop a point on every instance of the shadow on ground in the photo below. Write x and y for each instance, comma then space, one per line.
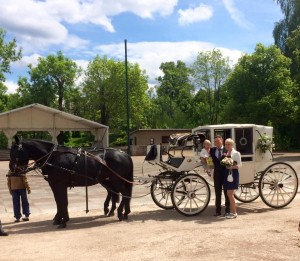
81, 223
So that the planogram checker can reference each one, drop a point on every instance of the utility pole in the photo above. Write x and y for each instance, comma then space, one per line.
127, 100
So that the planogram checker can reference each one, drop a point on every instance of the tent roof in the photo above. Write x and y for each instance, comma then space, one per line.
37, 117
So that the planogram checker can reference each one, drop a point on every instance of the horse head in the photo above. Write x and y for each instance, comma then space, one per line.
18, 157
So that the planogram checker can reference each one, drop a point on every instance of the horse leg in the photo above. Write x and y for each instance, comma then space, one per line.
127, 207
106, 203
114, 200
120, 210
57, 219
61, 196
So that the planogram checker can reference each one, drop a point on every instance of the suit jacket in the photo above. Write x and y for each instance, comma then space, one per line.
218, 169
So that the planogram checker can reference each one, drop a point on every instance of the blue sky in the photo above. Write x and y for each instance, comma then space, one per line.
156, 30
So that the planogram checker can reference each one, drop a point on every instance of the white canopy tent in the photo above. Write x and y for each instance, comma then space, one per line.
37, 117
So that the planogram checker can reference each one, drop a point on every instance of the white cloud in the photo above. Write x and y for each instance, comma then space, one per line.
150, 55
236, 15
11, 86
40, 24
192, 15
26, 60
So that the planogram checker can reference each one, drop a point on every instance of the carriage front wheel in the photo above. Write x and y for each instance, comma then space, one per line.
190, 195
278, 185
161, 189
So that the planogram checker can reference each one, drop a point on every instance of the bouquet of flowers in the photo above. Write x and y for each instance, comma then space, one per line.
227, 162
265, 143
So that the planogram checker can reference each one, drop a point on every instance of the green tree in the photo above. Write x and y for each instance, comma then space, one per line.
284, 28
260, 91
173, 96
9, 52
293, 42
105, 94
52, 77
210, 70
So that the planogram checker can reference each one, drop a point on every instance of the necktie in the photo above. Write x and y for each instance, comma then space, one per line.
219, 153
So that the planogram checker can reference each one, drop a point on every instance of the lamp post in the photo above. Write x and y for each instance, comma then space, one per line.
127, 100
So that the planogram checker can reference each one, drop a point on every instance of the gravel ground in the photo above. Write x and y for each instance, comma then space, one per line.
259, 232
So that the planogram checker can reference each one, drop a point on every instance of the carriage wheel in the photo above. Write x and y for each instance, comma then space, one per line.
161, 189
278, 185
248, 192
190, 195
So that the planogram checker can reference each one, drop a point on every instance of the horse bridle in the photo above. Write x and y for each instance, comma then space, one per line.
20, 170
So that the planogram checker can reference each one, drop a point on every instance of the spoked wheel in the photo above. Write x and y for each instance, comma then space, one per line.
161, 189
190, 195
278, 185
248, 192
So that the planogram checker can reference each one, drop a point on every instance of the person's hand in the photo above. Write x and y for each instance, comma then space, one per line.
29, 191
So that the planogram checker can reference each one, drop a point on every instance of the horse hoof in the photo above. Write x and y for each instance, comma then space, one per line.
106, 211
56, 222
62, 225
111, 214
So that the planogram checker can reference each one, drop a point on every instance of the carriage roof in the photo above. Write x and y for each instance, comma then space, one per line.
233, 125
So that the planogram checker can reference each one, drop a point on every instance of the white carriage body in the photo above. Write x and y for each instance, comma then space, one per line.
246, 137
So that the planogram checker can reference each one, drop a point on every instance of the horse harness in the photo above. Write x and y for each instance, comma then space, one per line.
36, 165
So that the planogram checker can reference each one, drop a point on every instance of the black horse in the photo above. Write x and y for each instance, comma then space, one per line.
65, 167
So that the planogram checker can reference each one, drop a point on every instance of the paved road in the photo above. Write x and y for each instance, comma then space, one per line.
42, 202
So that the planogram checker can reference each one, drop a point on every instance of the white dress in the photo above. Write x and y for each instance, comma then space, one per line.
205, 155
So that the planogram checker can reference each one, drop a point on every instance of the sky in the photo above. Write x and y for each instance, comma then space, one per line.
156, 31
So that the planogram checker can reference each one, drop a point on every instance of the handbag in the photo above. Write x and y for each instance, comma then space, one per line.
230, 177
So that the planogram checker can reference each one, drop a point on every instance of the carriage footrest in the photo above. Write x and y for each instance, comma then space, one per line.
175, 162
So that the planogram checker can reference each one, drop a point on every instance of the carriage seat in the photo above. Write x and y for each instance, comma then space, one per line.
178, 139
175, 161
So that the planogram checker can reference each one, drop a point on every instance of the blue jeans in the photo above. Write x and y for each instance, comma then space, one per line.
20, 195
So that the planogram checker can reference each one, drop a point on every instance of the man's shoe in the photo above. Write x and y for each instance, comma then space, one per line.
226, 214
218, 214
17, 220
3, 233
25, 219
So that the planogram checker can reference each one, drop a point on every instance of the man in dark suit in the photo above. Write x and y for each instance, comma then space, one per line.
217, 154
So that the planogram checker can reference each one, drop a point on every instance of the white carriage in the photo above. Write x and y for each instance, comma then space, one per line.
181, 186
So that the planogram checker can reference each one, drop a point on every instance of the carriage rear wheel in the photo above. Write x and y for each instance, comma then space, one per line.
248, 192
278, 185
161, 189
190, 194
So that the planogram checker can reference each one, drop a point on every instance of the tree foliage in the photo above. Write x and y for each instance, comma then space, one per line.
284, 28
172, 97
210, 70
9, 52
104, 92
260, 90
